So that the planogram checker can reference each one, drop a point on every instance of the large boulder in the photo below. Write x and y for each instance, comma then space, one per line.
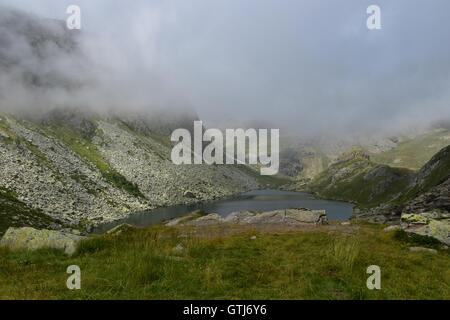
291, 217
31, 239
432, 224
285, 216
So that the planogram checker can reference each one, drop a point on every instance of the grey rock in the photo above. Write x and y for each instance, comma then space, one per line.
33, 239
432, 224
184, 219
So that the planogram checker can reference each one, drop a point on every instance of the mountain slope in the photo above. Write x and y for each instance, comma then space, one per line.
431, 187
93, 169
357, 179
382, 193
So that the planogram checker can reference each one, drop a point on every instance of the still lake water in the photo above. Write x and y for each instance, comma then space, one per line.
262, 200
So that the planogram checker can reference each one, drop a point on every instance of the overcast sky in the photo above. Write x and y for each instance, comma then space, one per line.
310, 65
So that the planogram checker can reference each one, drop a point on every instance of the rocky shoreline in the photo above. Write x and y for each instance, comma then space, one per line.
67, 240
429, 225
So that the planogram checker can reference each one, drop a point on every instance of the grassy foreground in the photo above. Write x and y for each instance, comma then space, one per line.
327, 262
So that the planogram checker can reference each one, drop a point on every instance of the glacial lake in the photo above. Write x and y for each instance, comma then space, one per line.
262, 200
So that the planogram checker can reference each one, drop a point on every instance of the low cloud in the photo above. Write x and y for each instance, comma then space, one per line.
310, 67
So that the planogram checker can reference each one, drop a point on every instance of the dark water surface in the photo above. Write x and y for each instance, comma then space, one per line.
263, 200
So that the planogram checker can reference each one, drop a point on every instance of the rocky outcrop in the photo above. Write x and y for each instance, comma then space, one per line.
33, 239
431, 224
208, 219
438, 198
287, 217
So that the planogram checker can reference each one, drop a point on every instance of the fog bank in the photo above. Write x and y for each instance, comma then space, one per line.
311, 67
